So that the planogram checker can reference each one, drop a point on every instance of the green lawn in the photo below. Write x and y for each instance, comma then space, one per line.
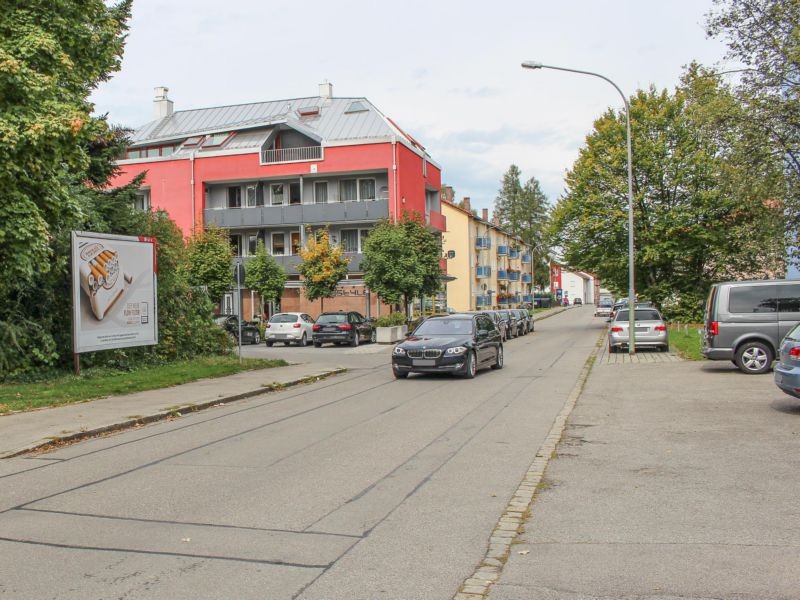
686, 341
98, 383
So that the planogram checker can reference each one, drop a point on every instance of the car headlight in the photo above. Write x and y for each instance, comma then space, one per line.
456, 350
398, 351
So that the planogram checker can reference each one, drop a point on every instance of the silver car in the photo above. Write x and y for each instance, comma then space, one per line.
650, 330
294, 328
787, 370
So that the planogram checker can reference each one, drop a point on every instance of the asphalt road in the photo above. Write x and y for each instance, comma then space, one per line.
358, 486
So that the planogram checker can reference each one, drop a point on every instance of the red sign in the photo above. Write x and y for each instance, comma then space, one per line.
555, 277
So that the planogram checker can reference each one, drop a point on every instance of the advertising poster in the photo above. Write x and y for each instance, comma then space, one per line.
113, 291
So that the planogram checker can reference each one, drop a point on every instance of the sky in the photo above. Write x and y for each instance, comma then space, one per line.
447, 71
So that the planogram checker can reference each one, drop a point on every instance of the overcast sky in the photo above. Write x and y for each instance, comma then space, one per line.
447, 71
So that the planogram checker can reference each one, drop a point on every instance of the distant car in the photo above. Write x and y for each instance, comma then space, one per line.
649, 328
577, 301
230, 323
511, 322
787, 369
603, 308
524, 321
460, 343
343, 328
497, 319
289, 328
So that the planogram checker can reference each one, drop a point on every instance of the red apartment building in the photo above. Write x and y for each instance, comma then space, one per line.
273, 170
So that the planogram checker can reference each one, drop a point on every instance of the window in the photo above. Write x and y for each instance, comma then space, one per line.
366, 189
167, 150
236, 244
349, 240
355, 107
789, 298
152, 152
234, 197
216, 139
294, 239
252, 244
134, 154
348, 190
278, 247
752, 299
294, 193
251, 196
142, 200
363, 234
321, 192
277, 193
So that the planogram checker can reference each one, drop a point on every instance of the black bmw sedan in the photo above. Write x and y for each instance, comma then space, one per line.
461, 343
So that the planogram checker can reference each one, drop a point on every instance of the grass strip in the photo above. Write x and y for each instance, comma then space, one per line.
685, 340
102, 382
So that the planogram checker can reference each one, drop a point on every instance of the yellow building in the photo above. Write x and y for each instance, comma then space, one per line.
491, 267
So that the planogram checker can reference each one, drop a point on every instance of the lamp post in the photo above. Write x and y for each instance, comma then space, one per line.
631, 284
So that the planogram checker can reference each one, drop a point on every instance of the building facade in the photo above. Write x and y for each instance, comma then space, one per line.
276, 172
491, 267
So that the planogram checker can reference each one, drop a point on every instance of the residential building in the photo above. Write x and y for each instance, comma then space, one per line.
490, 267
275, 171
568, 284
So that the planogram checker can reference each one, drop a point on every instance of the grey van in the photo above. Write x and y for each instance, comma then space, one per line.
745, 321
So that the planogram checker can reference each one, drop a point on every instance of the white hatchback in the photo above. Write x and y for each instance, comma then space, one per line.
289, 327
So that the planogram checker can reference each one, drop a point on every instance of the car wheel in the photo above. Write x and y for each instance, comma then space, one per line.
317, 344
498, 363
470, 367
399, 374
664, 348
373, 337
269, 344
612, 349
303, 341
753, 358
256, 338
355, 340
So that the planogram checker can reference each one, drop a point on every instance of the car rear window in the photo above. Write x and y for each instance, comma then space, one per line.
640, 315
794, 334
444, 327
332, 318
283, 319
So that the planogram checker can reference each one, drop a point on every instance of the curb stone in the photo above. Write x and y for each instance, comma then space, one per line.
517, 510
59, 441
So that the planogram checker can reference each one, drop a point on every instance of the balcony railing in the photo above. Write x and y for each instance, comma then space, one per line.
437, 220
513, 275
484, 271
503, 300
513, 253
484, 300
502, 250
502, 275
526, 278
292, 154
526, 258
483, 243
527, 298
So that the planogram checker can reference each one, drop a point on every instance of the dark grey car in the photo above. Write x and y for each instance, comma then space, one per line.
745, 321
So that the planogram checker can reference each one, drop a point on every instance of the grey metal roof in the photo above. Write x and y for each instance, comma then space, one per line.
332, 124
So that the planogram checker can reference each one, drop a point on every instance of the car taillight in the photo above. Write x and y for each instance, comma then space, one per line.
316, 327
345, 327
713, 328
661, 327
296, 325
795, 352
616, 329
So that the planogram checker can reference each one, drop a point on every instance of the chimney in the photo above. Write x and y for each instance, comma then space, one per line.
162, 106
466, 205
496, 221
485, 214
326, 90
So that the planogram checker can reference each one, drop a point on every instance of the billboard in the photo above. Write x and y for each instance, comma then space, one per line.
113, 291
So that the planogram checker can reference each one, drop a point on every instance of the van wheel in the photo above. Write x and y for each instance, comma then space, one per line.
754, 358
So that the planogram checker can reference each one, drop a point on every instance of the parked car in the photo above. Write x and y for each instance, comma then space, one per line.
650, 330
291, 327
577, 301
745, 320
511, 322
497, 319
524, 321
230, 323
604, 308
460, 343
787, 369
342, 328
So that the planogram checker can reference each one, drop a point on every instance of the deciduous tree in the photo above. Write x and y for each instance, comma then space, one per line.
323, 266
209, 261
265, 275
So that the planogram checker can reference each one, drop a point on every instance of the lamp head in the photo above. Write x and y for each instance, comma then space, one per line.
532, 64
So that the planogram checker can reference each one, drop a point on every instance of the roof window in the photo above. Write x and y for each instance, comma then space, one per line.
356, 107
193, 141
216, 139
308, 111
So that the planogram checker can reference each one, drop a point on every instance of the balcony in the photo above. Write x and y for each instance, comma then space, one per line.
483, 300
502, 275
513, 253
528, 298
290, 262
483, 271
483, 243
297, 214
526, 278
285, 155
503, 300
436, 220
513, 275
526, 259
502, 250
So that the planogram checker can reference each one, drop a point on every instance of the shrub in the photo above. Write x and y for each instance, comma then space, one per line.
391, 320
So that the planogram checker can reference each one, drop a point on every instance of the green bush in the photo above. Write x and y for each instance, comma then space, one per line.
391, 320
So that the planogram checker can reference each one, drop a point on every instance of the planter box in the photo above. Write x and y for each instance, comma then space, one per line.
389, 335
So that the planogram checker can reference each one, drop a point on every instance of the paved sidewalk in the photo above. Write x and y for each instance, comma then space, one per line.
672, 480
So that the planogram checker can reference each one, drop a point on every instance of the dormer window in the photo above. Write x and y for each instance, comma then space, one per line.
216, 139
193, 141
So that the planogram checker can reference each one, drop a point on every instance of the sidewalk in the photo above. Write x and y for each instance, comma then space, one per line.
672, 480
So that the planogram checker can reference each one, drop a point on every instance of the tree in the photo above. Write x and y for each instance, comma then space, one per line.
401, 260
265, 276
209, 260
323, 266
508, 198
701, 214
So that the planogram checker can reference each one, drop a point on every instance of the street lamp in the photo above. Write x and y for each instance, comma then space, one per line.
529, 64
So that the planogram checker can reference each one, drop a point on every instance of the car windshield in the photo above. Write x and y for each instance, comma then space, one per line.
283, 319
605, 303
444, 327
640, 315
332, 318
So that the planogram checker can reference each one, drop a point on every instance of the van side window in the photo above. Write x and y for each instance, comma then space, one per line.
789, 298
753, 299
